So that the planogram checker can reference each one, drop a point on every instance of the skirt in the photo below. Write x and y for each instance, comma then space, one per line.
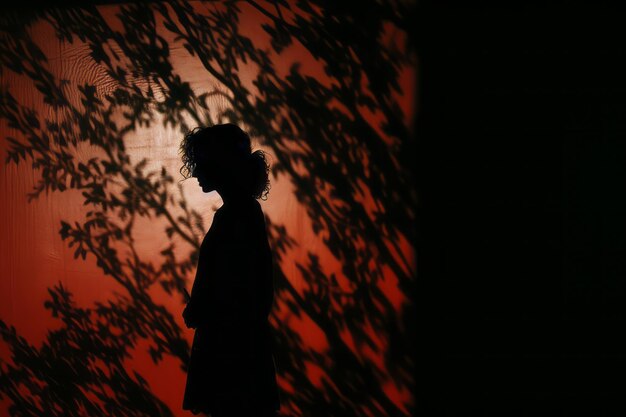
231, 370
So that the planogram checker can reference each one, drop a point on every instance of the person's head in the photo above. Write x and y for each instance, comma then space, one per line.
221, 158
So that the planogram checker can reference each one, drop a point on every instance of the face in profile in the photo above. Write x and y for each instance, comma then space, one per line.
207, 174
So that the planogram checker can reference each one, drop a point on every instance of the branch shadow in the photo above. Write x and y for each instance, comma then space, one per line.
357, 189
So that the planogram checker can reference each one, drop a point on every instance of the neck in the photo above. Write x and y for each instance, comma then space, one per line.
230, 196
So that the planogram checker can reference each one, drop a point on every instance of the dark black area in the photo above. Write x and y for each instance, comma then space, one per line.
522, 177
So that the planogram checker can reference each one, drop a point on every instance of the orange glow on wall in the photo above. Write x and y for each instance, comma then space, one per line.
113, 88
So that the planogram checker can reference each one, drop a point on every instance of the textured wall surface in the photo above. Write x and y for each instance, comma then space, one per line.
99, 236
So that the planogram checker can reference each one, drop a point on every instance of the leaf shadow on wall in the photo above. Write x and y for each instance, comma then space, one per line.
357, 189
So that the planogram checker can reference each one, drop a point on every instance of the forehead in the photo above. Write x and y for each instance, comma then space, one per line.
202, 153
203, 161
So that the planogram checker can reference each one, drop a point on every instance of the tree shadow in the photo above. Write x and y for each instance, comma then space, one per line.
357, 189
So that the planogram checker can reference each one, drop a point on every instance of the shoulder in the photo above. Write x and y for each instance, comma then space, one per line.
257, 216
241, 216
256, 207
248, 209
254, 215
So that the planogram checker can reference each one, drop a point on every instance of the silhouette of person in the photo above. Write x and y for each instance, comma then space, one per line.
231, 369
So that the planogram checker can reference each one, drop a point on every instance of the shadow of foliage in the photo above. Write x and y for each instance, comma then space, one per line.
79, 370
357, 189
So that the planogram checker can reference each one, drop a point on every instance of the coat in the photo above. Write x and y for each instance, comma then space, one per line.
231, 364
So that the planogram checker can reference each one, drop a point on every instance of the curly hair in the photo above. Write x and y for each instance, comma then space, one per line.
232, 143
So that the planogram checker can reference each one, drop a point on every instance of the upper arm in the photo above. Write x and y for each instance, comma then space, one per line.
242, 270
235, 261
